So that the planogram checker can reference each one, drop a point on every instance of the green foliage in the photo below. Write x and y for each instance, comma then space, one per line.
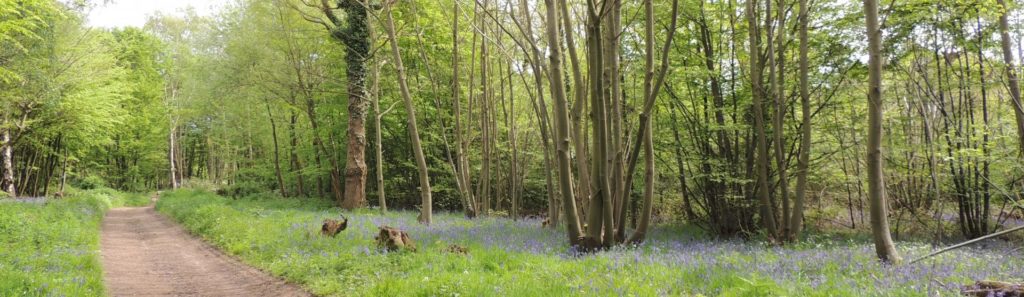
89, 182
249, 181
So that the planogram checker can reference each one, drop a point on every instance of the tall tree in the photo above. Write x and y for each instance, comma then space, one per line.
1011, 72
797, 220
410, 109
884, 246
354, 33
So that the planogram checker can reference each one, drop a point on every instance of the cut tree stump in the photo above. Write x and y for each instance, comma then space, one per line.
457, 249
392, 239
333, 227
985, 288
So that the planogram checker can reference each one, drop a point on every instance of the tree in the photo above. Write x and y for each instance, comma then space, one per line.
876, 185
1011, 72
410, 109
353, 32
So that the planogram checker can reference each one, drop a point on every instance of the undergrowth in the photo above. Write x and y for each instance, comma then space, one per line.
51, 247
519, 258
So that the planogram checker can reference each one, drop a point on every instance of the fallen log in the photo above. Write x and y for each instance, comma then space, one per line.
984, 288
969, 242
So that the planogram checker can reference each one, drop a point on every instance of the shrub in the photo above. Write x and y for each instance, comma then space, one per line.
89, 182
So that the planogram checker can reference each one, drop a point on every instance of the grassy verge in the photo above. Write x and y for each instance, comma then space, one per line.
51, 248
522, 259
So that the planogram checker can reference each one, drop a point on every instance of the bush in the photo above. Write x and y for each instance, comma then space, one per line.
4, 195
89, 182
249, 181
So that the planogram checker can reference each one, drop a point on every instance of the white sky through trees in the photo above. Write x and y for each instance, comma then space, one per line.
124, 13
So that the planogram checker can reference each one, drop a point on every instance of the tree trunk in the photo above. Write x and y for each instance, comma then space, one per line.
356, 38
778, 130
561, 122
7, 158
1011, 74
462, 163
580, 100
277, 154
296, 163
797, 219
876, 186
381, 199
757, 92
421, 163
170, 155
652, 86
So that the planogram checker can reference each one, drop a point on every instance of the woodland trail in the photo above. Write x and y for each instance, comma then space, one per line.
146, 254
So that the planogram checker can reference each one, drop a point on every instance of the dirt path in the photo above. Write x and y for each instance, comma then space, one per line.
145, 254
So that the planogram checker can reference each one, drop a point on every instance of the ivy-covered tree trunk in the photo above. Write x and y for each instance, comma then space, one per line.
356, 38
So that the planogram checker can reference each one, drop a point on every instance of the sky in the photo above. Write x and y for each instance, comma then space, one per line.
124, 13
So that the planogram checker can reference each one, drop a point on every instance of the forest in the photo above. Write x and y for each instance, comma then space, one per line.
514, 148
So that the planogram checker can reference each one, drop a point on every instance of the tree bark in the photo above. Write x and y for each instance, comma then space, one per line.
462, 163
296, 163
1011, 73
381, 199
356, 38
7, 158
421, 163
797, 219
277, 154
561, 123
876, 185
757, 92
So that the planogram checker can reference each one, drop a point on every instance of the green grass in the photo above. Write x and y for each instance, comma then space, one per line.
522, 259
52, 248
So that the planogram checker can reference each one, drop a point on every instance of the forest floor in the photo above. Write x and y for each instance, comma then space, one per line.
504, 257
145, 254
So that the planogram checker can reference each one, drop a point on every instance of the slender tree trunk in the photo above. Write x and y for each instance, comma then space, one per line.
876, 186
561, 122
797, 220
381, 199
757, 92
462, 168
486, 136
170, 155
778, 129
542, 112
64, 171
580, 100
1011, 73
600, 220
652, 86
421, 162
7, 158
296, 163
277, 154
